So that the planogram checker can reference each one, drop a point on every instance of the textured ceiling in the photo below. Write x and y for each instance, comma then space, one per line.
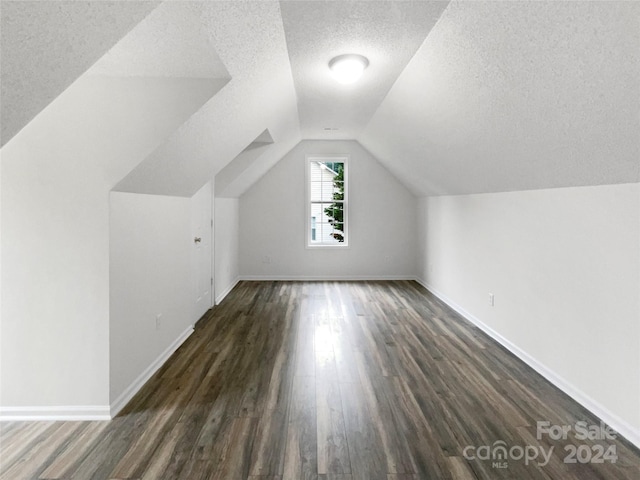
227, 179
514, 96
460, 97
249, 39
387, 33
46, 45
170, 42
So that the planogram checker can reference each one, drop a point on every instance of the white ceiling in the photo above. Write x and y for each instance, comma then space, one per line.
170, 42
387, 33
47, 45
249, 40
228, 177
459, 97
516, 96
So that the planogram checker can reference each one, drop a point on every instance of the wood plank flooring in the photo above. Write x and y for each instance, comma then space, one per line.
326, 381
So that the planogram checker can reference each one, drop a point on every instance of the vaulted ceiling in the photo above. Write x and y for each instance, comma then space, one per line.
47, 45
460, 97
387, 33
516, 96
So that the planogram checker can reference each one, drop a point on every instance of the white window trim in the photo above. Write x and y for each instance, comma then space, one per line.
326, 158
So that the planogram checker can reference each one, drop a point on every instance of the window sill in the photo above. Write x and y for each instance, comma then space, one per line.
327, 247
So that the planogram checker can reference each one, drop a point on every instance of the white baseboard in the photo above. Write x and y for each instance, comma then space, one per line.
93, 412
137, 384
55, 413
227, 290
320, 278
618, 424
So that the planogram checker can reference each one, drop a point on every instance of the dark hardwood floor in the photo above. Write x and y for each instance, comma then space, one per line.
326, 380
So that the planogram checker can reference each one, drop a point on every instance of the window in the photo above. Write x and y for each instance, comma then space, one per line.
326, 201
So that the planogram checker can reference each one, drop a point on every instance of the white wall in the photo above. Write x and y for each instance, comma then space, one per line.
382, 228
56, 176
227, 221
150, 274
564, 266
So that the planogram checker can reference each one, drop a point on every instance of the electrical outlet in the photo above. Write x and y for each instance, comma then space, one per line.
158, 322
491, 300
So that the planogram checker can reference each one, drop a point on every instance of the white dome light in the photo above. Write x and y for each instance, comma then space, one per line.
348, 68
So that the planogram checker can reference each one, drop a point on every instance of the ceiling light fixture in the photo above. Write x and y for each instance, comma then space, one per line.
348, 68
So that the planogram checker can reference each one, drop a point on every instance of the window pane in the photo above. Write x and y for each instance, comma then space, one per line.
337, 235
327, 190
326, 196
316, 191
328, 212
317, 211
322, 191
324, 218
325, 234
325, 181
334, 212
337, 190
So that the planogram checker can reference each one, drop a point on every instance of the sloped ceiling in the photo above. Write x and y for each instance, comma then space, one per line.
459, 97
387, 33
169, 47
514, 96
249, 39
170, 42
46, 45
229, 180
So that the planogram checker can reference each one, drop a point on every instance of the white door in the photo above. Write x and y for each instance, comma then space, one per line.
201, 247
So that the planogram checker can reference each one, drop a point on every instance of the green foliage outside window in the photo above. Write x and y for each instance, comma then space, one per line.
335, 211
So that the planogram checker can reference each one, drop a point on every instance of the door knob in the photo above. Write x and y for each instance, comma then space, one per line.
197, 240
